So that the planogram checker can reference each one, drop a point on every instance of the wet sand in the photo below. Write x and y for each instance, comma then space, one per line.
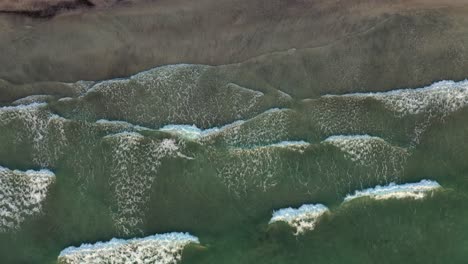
103, 43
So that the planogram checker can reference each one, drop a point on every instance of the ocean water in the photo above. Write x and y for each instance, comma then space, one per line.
158, 168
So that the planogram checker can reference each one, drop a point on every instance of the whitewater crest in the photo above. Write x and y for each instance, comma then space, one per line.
192, 132
291, 144
441, 97
22, 194
303, 219
160, 248
398, 114
135, 162
117, 124
268, 127
265, 129
416, 190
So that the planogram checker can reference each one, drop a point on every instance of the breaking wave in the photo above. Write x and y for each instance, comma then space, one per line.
161, 248
397, 191
441, 97
303, 219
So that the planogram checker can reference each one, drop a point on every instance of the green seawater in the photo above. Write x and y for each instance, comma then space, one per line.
131, 179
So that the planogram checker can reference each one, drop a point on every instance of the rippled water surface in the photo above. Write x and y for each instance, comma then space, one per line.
182, 166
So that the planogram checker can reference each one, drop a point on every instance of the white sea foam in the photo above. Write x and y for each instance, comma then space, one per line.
267, 128
22, 107
350, 137
121, 124
286, 144
65, 99
22, 194
191, 132
382, 160
37, 127
397, 191
254, 169
135, 164
357, 147
273, 110
161, 249
175, 93
348, 113
246, 170
363, 148
304, 218
232, 133
441, 97
113, 122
